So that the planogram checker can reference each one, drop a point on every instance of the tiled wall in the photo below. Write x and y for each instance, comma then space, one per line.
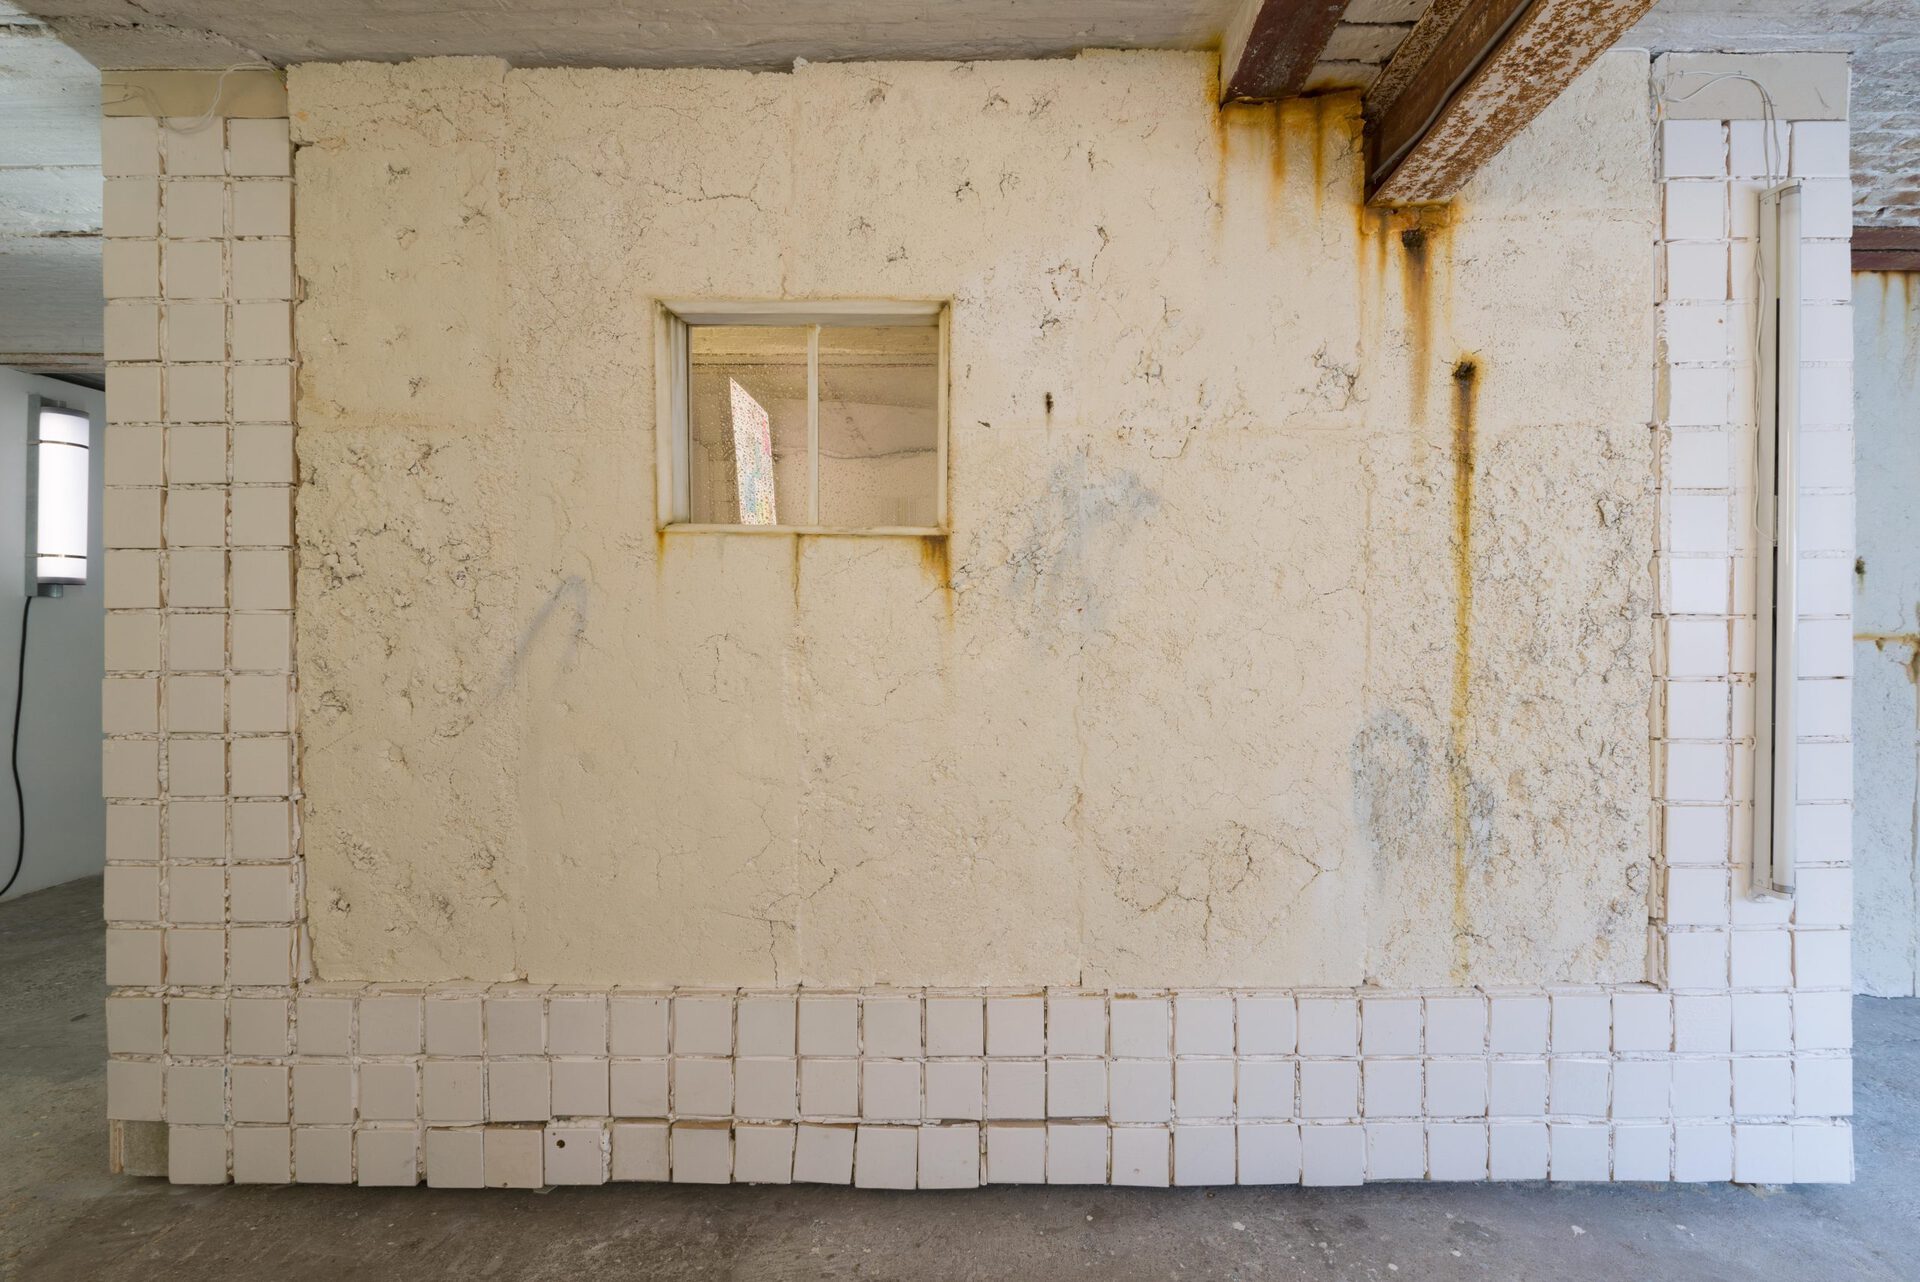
1738, 1069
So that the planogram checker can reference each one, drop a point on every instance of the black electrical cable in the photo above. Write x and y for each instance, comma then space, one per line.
19, 797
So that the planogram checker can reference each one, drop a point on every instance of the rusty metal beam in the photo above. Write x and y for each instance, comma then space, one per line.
1886, 249
1272, 45
1497, 66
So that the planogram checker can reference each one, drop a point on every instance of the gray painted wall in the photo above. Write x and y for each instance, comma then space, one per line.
1886, 620
60, 724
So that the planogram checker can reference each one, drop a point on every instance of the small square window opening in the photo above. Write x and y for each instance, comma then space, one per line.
804, 416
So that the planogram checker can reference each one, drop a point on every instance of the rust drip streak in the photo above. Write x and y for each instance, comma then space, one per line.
1319, 143
1459, 778
1416, 298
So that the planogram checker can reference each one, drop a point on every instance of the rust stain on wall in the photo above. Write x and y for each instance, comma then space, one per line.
935, 559
798, 539
1465, 386
1425, 260
1911, 640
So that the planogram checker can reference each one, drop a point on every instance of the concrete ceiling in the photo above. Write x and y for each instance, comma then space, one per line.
49, 145
640, 33
49, 200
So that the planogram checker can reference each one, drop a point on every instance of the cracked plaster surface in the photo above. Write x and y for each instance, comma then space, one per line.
1265, 649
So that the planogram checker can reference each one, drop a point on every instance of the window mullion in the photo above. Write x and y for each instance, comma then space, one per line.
813, 425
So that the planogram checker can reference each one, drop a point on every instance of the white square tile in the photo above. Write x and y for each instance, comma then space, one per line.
1016, 1154
956, 1026
1693, 149
1762, 1153
1016, 1088
1762, 1022
763, 1154
1142, 1156
1821, 1021
1642, 1089
830, 1087
1076, 1153
702, 1025
823, 1155
1517, 1150
701, 1153
1643, 1153
197, 1155
1203, 1024
1703, 1152
453, 1091
1642, 1021
955, 1090
1391, 1087
890, 1027
1456, 1025
517, 1091
1334, 1154
576, 1154
577, 1024
510, 1157
1141, 1027
515, 1023
1702, 1088
1076, 1025
1266, 1088
890, 1090
579, 1087
324, 1155
1457, 1151
639, 1151
1329, 1026
1518, 1024
766, 1025
1329, 1089
1390, 1026
949, 1157
886, 1157
1396, 1151
1203, 1155
1141, 1090
637, 1025
1822, 1154
1517, 1088
1076, 1088
637, 1088
702, 1087
1457, 1087
1016, 1026
1577, 1087
1265, 1024
1577, 1151
1762, 1086
1269, 1154
1203, 1088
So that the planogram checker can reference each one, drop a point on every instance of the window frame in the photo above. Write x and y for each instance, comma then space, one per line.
673, 380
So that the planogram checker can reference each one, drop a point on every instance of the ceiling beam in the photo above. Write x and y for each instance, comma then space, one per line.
1498, 65
1886, 249
1272, 45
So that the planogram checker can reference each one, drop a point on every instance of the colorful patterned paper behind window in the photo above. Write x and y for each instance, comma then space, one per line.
753, 457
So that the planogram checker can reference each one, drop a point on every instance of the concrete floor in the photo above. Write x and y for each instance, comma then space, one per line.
62, 1216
